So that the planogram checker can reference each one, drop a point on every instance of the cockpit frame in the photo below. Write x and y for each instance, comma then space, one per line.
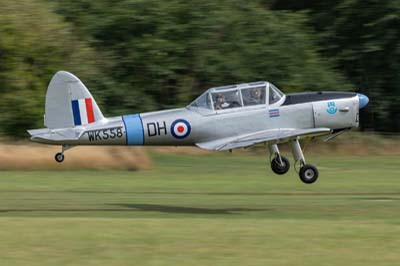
232, 98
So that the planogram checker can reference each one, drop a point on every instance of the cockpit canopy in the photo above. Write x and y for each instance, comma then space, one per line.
238, 96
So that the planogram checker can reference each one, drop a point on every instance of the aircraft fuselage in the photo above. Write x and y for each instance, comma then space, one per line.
183, 126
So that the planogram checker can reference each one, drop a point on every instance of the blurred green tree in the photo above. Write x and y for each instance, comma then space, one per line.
34, 43
173, 50
141, 55
363, 37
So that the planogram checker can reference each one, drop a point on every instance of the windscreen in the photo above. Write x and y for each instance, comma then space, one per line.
203, 101
274, 94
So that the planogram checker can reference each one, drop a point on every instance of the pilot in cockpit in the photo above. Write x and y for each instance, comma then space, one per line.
257, 96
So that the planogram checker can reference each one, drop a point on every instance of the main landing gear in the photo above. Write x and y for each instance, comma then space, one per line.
280, 164
60, 155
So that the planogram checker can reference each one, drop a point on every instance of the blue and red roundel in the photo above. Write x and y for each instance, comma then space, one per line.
180, 128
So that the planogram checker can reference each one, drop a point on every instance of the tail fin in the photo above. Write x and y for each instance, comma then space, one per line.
69, 103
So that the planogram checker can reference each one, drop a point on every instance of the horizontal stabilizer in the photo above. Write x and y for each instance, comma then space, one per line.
46, 135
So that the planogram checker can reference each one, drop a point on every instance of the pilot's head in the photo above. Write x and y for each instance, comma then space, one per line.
220, 98
256, 93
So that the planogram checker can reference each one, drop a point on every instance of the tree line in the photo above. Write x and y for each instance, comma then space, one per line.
142, 55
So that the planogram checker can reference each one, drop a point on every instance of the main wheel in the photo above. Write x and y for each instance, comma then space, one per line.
308, 174
278, 167
59, 157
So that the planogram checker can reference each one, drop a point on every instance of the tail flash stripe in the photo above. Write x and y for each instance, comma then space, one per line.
82, 109
89, 110
76, 113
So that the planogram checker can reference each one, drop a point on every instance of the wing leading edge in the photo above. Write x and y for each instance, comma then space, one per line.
279, 135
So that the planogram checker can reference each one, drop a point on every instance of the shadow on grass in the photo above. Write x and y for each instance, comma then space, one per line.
138, 208
189, 210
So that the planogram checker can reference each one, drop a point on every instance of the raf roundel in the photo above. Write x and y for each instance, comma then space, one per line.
180, 128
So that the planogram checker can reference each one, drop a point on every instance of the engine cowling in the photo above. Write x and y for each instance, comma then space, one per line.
337, 113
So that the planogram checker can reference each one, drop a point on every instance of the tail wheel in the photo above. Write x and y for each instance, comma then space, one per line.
59, 157
280, 166
308, 174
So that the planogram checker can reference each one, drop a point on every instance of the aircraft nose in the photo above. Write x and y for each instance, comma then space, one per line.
363, 100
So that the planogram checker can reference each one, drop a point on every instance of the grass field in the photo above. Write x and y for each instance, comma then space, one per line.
218, 209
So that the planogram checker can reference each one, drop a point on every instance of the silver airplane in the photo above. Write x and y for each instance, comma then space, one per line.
221, 119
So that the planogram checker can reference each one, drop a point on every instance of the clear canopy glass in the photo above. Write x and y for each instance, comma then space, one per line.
203, 101
275, 95
236, 96
253, 96
226, 99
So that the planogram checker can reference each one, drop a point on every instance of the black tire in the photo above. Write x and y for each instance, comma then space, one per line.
59, 157
279, 169
308, 174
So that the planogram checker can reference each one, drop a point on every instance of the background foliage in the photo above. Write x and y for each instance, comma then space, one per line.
141, 55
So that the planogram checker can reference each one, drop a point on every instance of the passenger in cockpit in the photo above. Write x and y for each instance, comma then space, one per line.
220, 102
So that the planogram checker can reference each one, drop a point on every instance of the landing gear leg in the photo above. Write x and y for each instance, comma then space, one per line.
308, 173
279, 164
60, 155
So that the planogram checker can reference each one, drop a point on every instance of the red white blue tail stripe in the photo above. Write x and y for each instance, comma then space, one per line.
82, 110
274, 113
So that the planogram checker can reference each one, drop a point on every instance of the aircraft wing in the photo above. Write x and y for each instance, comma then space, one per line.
279, 135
